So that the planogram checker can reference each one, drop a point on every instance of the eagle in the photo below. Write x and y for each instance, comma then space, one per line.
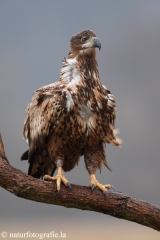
72, 117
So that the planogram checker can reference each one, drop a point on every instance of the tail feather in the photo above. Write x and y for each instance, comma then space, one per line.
24, 155
40, 165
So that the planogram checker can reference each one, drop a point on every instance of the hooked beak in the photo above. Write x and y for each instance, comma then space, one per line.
93, 42
96, 43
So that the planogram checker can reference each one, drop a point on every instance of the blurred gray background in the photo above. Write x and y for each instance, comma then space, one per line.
34, 38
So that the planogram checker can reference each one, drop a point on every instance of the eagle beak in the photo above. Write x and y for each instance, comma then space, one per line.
93, 42
96, 43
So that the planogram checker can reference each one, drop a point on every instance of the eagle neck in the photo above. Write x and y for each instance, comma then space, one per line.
80, 71
89, 67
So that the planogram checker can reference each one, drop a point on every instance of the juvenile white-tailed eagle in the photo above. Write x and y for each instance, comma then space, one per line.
72, 117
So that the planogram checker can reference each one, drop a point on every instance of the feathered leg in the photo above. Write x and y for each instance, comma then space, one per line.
59, 177
93, 161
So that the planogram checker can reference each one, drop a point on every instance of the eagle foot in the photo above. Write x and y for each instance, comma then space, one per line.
95, 184
59, 178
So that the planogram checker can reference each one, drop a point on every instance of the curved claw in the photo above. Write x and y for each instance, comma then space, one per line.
106, 193
69, 185
42, 178
93, 187
113, 188
58, 192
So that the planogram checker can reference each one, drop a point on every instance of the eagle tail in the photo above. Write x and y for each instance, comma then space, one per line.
40, 164
25, 155
34, 169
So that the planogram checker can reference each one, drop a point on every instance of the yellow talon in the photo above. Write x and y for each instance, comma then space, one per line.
94, 182
59, 178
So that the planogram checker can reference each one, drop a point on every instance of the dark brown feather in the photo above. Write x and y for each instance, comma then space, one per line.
73, 116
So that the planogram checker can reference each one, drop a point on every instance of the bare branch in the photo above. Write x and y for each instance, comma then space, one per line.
115, 204
2, 151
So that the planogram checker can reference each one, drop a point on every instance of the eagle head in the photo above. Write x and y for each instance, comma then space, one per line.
85, 43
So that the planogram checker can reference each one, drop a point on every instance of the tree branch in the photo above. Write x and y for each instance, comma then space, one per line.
116, 204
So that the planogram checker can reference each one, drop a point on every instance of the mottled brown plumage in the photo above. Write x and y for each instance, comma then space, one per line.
72, 117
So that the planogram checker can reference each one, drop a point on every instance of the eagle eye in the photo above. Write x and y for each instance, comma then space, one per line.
83, 39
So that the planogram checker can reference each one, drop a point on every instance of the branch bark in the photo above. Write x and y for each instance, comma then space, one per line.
116, 204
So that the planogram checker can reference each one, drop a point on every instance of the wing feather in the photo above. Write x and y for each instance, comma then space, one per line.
111, 109
43, 115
